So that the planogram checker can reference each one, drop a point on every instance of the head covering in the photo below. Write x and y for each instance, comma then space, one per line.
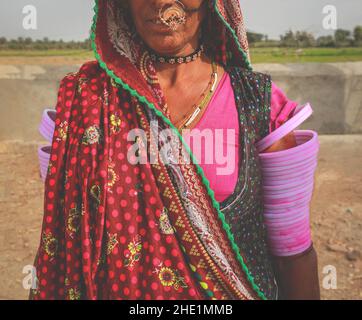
120, 52
116, 230
112, 28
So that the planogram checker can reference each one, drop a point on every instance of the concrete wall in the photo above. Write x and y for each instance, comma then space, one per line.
334, 90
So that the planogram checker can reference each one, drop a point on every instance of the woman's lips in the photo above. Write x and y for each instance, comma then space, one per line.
156, 24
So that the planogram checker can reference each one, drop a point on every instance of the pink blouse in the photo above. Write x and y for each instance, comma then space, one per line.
219, 128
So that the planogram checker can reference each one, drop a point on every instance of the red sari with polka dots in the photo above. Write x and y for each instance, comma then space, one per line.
113, 229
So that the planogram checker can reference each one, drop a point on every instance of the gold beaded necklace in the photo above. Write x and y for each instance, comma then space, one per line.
205, 98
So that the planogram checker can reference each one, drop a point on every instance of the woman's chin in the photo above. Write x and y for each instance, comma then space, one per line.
165, 45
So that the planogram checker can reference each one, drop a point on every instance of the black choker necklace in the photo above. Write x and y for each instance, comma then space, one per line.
173, 60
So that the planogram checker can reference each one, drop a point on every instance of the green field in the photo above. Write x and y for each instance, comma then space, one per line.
290, 55
47, 53
258, 55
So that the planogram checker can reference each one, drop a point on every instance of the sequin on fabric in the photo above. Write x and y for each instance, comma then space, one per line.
244, 208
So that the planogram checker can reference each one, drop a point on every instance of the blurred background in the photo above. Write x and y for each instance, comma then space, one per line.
312, 49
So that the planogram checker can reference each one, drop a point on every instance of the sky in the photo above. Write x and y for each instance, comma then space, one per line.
71, 19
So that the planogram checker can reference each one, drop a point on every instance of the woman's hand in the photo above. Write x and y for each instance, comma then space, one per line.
286, 142
297, 275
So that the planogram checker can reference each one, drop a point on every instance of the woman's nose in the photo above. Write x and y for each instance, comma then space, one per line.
158, 4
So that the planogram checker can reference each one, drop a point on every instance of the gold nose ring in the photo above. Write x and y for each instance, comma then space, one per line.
173, 15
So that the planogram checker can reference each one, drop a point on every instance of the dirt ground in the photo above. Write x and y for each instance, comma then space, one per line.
336, 214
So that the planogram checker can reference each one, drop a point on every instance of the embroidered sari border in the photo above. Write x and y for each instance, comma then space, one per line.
200, 171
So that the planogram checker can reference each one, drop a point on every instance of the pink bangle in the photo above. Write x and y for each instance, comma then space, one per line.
296, 212
292, 241
292, 157
291, 176
288, 183
47, 124
46, 129
291, 251
301, 113
44, 158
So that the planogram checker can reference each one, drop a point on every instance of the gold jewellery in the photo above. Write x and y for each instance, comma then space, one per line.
205, 98
173, 15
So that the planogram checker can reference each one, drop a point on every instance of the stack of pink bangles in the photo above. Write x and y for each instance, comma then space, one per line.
288, 181
46, 129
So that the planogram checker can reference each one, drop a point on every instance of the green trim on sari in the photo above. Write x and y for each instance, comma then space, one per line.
200, 171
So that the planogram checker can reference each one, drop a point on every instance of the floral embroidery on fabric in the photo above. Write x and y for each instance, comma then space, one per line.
74, 294
170, 277
165, 224
62, 131
111, 243
81, 84
50, 244
113, 177
92, 135
133, 253
115, 123
73, 222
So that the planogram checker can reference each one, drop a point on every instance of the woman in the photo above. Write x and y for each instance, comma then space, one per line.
115, 228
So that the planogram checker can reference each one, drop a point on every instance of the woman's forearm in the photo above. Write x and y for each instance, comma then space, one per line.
297, 276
